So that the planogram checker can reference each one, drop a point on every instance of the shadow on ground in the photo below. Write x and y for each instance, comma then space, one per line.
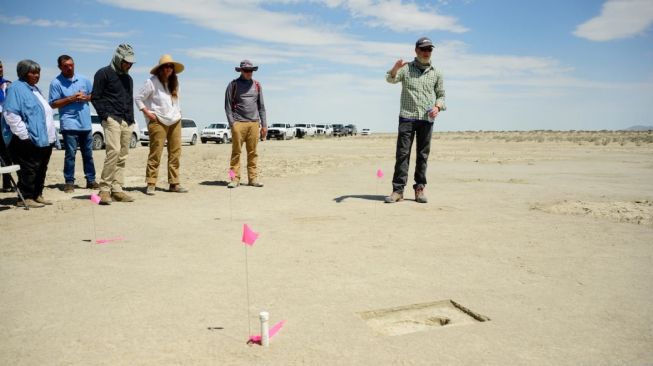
369, 197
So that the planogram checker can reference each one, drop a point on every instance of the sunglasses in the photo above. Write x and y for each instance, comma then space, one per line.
247, 71
168, 66
426, 49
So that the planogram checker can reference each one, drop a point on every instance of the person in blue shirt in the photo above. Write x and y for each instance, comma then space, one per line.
71, 93
30, 119
4, 153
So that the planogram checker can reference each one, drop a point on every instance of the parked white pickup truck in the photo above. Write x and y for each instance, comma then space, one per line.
324, 130
305, 129
281, 131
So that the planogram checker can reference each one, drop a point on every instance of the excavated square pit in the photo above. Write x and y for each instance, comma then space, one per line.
420, 317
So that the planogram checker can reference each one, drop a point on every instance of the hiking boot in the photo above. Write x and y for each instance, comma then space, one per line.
69, 187
105, 198
29, 203
177, 188
233, 184
255, 184
92, 185
43, 201
394, 197
121, 197
151, 188
419, 195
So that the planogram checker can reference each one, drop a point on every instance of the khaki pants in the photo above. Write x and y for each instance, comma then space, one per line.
117, 136
247, 132
159, 133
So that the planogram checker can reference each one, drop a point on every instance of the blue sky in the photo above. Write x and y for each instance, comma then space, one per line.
508, 64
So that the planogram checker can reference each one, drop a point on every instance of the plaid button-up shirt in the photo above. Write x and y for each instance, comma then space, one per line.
420, 90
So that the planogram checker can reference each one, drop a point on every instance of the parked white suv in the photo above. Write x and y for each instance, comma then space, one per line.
98, 132
281, 131
218, 132
188, 133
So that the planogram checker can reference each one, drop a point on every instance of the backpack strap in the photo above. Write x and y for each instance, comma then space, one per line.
234, 91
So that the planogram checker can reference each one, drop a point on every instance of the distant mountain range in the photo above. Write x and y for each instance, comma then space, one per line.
639, 128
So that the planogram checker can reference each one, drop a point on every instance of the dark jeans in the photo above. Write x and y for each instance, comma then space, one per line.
71, 140
421, 132
33, 161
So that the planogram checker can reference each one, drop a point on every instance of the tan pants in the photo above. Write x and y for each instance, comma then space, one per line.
117, 136
159, 133
247, 132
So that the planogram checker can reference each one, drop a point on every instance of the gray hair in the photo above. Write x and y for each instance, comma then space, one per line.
26, 66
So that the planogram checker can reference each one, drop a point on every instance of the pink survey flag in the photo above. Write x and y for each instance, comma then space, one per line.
379, 173
111, 240
274, 330
95, 199
231, 174
249, 236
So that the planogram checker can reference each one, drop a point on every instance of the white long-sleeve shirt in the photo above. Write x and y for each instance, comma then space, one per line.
18, 127
157, 99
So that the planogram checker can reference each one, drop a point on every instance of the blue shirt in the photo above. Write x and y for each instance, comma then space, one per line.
74, 116
21, 100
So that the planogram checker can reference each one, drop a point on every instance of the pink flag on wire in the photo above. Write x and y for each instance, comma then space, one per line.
271, 332
249, 236
95, 199
379, 173
231, 174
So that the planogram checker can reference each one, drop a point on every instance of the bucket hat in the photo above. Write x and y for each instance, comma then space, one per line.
246, 65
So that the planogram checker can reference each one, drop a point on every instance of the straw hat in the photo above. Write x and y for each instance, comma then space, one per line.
167, 59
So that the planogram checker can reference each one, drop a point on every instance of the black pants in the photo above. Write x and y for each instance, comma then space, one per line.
420, 131
33, 161
4, 154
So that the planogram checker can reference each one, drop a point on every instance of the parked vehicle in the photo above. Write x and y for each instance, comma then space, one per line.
97, 131
281, 131
188, 133
218, 132
305, 129
351, 130
366, 132
339, 130
324, 130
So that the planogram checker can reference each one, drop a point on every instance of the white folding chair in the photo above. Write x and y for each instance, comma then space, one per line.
8, 170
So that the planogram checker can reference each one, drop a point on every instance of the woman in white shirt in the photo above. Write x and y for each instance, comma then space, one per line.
159, 102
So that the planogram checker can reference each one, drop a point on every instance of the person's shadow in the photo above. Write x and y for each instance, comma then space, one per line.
219, 183
369, 197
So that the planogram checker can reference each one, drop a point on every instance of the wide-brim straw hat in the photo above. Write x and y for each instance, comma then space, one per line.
167, 59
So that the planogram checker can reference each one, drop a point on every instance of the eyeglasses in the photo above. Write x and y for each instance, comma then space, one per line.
247, 71
426, 49
168, 65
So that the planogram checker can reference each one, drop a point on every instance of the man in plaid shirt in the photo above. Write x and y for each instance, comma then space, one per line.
422, 98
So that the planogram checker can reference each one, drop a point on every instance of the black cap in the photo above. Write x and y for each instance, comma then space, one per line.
424, 42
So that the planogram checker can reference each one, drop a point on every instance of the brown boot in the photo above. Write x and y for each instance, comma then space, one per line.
394, 197
121, 197
29, 203
419, 195
69, 187
42, 200
105, 198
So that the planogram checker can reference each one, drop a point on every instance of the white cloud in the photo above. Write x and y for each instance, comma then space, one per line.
228, 16
618, 19
401, 16
22, 20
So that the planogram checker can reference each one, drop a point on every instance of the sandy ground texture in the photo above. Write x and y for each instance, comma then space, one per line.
531, 251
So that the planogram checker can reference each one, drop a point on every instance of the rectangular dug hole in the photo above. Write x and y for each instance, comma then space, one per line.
420, 317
